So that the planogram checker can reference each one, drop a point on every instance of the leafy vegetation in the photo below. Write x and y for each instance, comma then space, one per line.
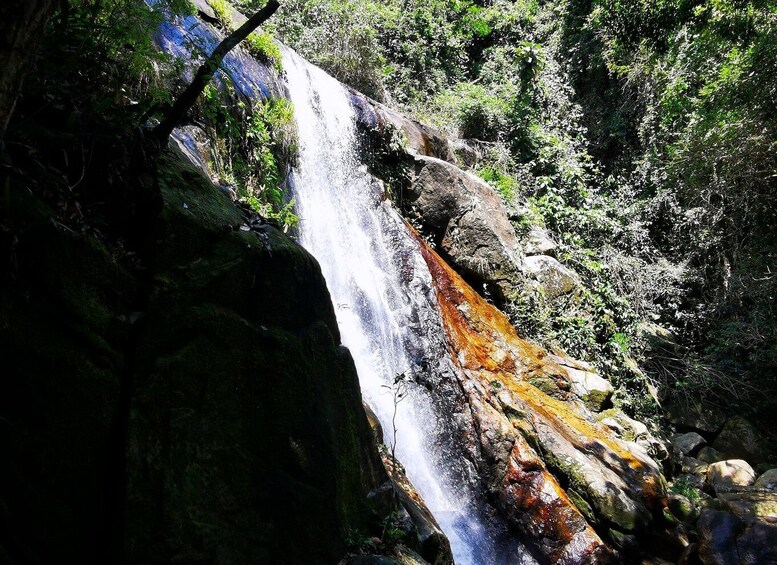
254, 147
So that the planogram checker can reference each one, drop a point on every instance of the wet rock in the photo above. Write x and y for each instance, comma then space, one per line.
725, 475
195, 144
375, 425
688, 443
590, 388
741, 439
466, 219
554, 278
768, 480
433, 545
710, 455
531, 443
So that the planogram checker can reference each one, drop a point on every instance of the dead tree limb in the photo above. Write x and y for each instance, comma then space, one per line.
205, 73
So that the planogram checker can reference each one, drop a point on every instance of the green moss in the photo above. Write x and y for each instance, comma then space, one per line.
263, 46
582, 505
223, 12
545, 384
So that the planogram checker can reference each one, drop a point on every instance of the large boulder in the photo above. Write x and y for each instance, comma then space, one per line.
725, 475
740, 439
246, 421
465, 219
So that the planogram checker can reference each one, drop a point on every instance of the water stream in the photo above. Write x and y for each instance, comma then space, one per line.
382, 291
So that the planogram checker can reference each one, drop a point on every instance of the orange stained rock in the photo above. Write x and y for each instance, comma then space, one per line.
487, 347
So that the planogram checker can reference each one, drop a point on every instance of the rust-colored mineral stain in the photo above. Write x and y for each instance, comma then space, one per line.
486, 345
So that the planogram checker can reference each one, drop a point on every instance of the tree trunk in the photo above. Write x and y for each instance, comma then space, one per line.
21, 22
205, 73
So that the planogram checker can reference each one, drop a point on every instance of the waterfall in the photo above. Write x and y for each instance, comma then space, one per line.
382, 291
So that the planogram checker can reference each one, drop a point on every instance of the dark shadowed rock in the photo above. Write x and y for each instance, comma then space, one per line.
768, 480
710, 455
215, 421
740, 439
718, 532
688, 443
691, 414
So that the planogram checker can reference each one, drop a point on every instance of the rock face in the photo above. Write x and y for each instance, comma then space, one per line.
528, 444
466, 220
214, 420
554, 278
740, 439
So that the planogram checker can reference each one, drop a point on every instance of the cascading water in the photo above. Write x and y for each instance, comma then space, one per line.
385, 307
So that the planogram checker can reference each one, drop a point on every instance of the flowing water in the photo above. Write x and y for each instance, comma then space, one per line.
385, 305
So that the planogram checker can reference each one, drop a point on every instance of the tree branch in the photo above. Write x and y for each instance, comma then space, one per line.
205, 73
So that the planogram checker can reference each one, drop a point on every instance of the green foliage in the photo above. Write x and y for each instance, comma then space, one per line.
683, 486
262, 46
223, 12
254, 147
